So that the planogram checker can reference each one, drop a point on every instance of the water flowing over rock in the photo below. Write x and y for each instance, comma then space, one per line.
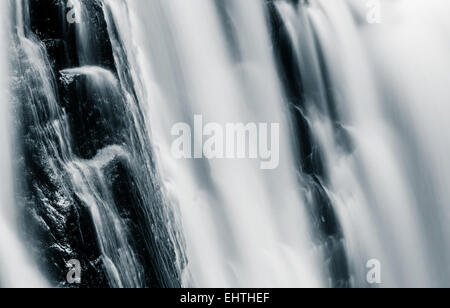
93, 88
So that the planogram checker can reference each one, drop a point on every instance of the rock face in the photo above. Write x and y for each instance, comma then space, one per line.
325, 222
91, 189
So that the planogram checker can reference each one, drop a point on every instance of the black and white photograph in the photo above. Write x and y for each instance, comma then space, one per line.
224, 144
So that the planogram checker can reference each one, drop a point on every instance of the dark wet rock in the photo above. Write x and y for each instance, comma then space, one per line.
80, 113
96, 112
325, 223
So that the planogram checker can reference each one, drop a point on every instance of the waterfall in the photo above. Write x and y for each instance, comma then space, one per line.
378, 188
16, 267
87, 156
355, 112
258, 229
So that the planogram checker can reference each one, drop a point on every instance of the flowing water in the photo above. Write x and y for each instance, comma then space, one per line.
17, 268
363, 150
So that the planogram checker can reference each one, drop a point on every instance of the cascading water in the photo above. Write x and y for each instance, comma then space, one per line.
97, 86
381, 188
88, 165
258, 229
16, 266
